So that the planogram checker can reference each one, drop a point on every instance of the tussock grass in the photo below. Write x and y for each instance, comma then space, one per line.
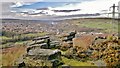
73, 62
12, 54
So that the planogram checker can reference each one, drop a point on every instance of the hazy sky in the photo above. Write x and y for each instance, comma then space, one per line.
44, 0
13, 8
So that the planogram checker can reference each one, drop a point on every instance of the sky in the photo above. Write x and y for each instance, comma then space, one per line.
43, 0
29, 8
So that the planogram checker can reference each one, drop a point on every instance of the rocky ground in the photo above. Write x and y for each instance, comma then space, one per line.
104, 49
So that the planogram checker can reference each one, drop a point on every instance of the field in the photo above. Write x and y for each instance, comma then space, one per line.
73, 62
102, 25
99, 25
13, 50
22, 39
10, 55
14, 40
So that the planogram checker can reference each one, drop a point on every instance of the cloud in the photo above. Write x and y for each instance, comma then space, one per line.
20, 0
18, 4
43, 0
89, 7
97, 5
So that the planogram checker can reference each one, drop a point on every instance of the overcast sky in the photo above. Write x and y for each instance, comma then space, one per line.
43, 0
86, 6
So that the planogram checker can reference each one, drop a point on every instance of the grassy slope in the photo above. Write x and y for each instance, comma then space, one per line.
73, 62
31, 62
24, 35
35, 34
19, 42
12, 55
4, 37
99, 25
104, 24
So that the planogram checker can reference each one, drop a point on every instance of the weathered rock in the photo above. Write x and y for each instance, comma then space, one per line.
40, 38
47, 54
39, 41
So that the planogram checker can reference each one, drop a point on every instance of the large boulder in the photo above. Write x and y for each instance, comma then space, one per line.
41, 54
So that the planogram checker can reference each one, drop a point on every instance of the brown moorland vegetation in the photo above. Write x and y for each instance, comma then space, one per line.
10, 55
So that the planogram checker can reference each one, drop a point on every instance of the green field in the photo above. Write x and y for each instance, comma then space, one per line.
22, 39
73, 62
105, 25
100, 25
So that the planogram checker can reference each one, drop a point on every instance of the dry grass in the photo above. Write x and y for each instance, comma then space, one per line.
73, 62
9, 55
83, 41
30, 62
